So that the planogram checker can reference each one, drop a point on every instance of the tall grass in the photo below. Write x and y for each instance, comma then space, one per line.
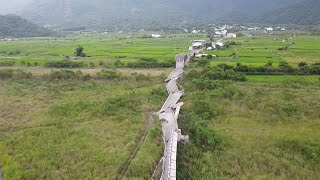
265, 129
67, 129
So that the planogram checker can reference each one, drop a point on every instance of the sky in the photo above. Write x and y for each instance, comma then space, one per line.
12, 6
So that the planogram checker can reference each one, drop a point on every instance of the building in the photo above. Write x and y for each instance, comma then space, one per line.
198, 44
196, 31
204, 55
269, 29
201, 55
220, 44
231, 35
156, 35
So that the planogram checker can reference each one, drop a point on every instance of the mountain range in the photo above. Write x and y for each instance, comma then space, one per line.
164, 12
15, 27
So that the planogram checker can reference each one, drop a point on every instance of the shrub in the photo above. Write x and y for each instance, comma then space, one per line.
16, 74
7, 63
92, 65
118, 63
159, 92
206, 137
309, 150
269, 64
302, 64
66, 75
285, 67
151, 63
6, 74
283, 48
22, 75
64, 64
140, 77
202, 109
224, 74
109, 75
36, 64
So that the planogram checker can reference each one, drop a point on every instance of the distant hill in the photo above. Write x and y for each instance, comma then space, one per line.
306, 12
164, 13
146, 12
15, 26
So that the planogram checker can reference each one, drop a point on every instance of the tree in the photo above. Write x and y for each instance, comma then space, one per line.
269, 63
285, 67
79, 52
301, 64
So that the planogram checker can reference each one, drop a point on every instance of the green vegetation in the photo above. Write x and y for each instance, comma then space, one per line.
68, 117
101, 50
305, 12
264, 127
79, 52
64, 126
261, 49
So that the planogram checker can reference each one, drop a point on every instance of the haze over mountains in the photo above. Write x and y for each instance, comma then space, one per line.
164, 12
12, 26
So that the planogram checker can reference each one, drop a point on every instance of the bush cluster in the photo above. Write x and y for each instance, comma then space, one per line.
67, 75
204, 136
217, 73
309, 150
64, 64
150, 63
11, 74
7, 63
109, 75
283, 68
73, 75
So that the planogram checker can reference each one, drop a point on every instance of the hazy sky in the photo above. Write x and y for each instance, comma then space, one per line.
11, 6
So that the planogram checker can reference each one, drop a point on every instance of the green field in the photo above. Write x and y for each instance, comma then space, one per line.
259, 50
265, 128
97, 48
69, 129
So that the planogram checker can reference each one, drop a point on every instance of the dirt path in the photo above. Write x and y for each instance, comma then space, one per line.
41, 70
125, 167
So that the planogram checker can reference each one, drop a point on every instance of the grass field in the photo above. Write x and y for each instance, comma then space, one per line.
80, 129
265, 128
92, 128
255, 51
97, 48
259, 50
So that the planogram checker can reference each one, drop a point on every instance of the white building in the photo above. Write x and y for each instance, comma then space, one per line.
231, 35
196, 31
220, 44
156, 35
201, 55
269, 29
198, 44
